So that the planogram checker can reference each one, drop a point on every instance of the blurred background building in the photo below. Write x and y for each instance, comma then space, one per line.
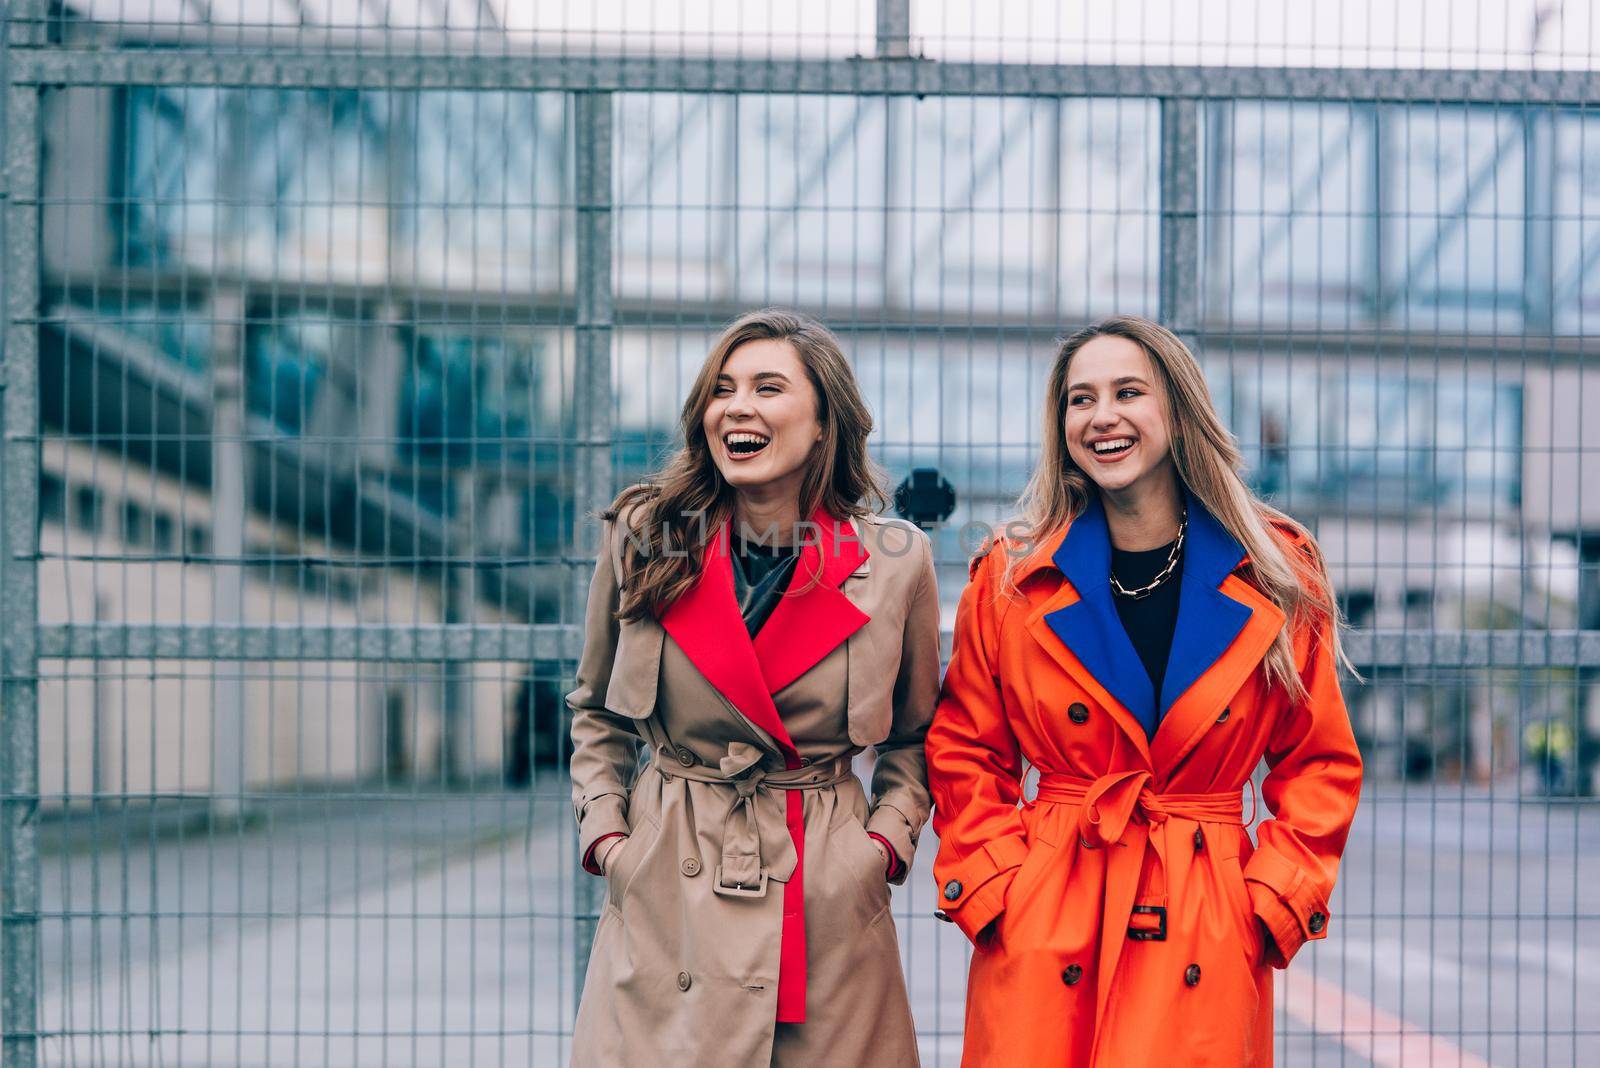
1392, 310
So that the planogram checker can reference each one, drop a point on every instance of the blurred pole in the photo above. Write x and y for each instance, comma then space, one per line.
595, 316
1540, 171
19, 577
1180, 217
1218, 218
455, 762
894, 29
227, 525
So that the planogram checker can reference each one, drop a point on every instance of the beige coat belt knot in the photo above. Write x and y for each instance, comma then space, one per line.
755, 838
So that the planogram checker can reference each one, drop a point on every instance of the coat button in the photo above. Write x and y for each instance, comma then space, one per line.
1318, 922
1226, 712
1072, 974
1191, 975
1199, 839
952, 890
691, 866
1078, 713
684, 981
685, 757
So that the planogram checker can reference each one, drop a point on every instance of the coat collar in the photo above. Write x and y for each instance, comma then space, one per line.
1209, 619
811, 620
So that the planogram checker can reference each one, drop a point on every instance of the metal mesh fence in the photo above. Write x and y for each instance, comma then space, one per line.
328, 328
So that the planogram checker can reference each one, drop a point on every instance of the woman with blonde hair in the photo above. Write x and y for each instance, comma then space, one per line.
751, 627
1148, 633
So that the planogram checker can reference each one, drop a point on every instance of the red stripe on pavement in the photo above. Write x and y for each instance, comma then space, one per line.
1363, 1028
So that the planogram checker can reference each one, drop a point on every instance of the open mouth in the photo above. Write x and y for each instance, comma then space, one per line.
1110, 448
743, 444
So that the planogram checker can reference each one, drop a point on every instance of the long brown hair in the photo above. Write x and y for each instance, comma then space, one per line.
1209, 463
670, 515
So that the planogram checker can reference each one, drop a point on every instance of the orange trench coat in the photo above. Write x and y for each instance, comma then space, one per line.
1115, 915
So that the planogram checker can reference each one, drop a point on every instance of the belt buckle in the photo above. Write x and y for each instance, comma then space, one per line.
1160, 933
739, 889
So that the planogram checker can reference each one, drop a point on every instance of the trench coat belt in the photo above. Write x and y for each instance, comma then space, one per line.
1120, 809
755, 837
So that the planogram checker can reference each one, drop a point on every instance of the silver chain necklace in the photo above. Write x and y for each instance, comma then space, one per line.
1161, 576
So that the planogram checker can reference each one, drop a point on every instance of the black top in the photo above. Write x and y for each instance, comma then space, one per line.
761, 574
1149, 620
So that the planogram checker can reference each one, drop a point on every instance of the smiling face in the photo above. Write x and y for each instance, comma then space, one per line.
1116, 420
761, 424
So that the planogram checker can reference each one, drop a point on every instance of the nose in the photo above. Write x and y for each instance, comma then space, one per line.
738, 406
1103, 417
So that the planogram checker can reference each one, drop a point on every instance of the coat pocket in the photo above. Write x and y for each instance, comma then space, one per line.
1014, 919
623, 863
1243, 912
866, 864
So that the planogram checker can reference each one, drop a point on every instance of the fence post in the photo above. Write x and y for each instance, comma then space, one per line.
228, 508
19, 659
894, 29
1179, 306
594, 321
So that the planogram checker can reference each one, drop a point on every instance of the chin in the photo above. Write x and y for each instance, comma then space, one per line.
1114, 482
744, 477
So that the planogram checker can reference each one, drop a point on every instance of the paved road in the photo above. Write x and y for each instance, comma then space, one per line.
427, 929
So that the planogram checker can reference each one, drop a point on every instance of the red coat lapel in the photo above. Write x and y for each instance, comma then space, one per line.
706, 624
814, 617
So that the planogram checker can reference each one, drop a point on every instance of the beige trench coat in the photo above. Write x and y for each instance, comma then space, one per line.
686, 958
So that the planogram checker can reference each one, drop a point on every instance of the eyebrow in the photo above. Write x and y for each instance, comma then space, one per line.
760, 376
1125, 380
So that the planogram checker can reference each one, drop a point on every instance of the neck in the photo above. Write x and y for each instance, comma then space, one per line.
1145, 515
768, 518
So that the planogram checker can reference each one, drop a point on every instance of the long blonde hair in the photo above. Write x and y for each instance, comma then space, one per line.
671, 514
1285, 563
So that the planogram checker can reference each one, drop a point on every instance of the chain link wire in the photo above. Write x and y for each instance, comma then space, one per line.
330, 326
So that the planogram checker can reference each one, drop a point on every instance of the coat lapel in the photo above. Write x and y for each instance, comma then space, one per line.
1045, 632
706, 624
1225, 626
810, 621
1208, 619
815, 616
1194, 711
1090, 626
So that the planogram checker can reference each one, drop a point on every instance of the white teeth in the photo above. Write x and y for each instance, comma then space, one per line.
1112, 444
744, 443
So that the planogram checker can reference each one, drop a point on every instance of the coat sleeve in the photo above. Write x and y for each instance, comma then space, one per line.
605, 746
1311, 789
975, 766
900, 800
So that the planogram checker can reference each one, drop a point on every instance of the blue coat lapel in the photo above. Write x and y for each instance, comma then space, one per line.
1090, 626
1208, 620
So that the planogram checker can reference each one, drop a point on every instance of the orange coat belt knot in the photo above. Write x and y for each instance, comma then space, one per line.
1120, 809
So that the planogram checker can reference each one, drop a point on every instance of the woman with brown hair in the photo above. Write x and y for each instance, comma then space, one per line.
1147, 636
751, 627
